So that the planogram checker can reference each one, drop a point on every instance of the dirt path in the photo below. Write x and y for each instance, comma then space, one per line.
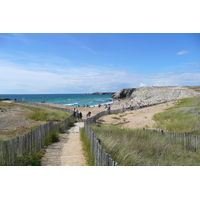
68, 151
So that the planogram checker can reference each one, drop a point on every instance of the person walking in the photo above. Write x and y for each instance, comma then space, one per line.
74, 112
80, 116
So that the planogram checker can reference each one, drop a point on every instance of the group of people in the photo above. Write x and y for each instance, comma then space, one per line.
107, 106
83, 106
78, 114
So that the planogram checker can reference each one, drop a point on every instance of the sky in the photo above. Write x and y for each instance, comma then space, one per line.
40, 63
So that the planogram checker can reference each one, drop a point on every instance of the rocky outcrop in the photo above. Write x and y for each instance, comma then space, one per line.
153, 94
124, 93
4, 99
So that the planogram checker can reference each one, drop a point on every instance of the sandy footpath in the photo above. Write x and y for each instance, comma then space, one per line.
68, 151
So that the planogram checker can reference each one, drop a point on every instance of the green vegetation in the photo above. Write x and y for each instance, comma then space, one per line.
30, 159
7, 105
51, 137
46, 114
180, 118
71, 122
99, 122
139, 148
86, 148
116, 118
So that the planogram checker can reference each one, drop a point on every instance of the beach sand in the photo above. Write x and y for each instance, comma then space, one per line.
139, 118
130, 119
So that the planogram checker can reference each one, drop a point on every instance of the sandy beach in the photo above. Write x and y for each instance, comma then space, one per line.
129, 119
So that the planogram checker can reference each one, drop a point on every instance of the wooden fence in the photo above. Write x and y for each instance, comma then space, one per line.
101, 158
30, 142
187, 140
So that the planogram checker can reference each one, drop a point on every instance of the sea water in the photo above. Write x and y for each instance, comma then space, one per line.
64, 99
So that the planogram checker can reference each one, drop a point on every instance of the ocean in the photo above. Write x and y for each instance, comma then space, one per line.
64, 99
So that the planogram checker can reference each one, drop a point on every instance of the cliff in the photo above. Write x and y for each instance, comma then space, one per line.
156, 93
124, 93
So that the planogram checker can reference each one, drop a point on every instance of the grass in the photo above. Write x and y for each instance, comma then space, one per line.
51, 137
139, 148
180, 118
30, 159
71, 122
46, 114
86, 148
39, 115
116, 118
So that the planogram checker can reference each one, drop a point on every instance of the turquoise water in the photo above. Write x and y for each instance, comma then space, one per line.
64, 99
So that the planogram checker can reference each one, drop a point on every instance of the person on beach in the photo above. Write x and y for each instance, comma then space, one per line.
80, 116
77, 114
88, 115
74, 112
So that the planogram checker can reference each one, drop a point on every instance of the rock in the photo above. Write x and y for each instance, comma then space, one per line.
123, 93
4, 99
153, 94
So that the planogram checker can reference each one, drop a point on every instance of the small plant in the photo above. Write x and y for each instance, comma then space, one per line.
61, 128
33, 159
101, 120
116, 118
71, 122
51, 138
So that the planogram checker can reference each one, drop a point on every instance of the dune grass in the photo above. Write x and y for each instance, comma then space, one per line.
86, 148
130, 147
46, 114
183, 117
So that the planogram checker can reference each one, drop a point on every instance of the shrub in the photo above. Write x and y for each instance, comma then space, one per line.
71, 122
33, 159
51, 138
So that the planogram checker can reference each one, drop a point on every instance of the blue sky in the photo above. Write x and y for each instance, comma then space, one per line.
34, 63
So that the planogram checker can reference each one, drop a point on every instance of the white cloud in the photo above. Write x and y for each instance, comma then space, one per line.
182, 52
142, 85
16, 79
